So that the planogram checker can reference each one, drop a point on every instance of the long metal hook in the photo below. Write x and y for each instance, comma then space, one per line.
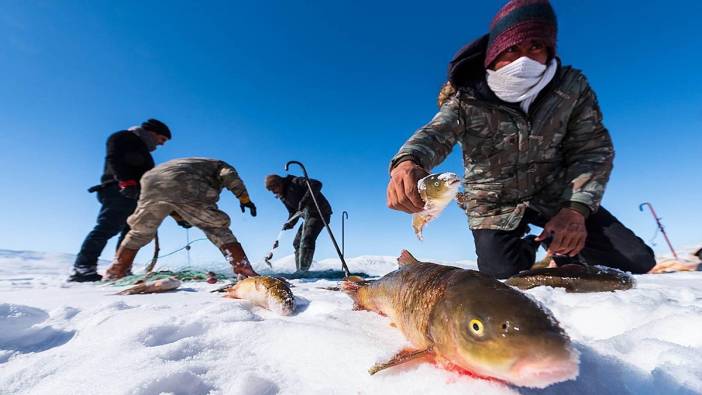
660, 226
344, 215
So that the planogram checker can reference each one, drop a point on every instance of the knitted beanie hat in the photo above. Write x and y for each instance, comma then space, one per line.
521, 20
157, 127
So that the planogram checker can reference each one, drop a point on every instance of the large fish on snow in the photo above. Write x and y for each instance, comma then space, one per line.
268, 292
437, 191
468, 321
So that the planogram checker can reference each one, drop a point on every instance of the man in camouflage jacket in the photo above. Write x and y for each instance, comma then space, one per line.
188, 190
539, 155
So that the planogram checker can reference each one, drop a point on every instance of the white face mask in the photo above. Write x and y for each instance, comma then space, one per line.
521, 81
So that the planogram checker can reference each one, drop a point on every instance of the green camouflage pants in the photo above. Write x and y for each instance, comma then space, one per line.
148, 217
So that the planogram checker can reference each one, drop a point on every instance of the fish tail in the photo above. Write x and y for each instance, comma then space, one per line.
418, 223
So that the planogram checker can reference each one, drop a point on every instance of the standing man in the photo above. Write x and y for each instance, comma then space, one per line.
295, 195
535, 150
188, 190
128, 158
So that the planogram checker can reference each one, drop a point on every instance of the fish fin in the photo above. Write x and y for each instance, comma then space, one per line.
231, 292
406, 258
401, 357
137, 289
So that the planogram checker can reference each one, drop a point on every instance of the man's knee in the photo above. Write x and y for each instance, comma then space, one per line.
502, 254
136, 239
640, 260
109, 228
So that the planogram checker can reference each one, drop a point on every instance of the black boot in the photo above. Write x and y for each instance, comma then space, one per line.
84, 276
306, 255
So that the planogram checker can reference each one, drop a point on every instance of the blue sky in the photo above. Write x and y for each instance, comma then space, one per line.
338, 85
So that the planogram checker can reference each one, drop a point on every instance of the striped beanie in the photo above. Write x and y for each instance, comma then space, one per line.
521, 20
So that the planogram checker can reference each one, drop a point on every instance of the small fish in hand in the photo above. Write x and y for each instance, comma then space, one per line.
437, 191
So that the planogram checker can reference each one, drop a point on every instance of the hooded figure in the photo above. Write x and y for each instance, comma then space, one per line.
535, 150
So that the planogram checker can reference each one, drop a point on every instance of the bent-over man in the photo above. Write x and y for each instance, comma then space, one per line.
296, 197
187, 189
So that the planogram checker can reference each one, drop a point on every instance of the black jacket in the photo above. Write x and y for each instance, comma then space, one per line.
296, 197
128, 157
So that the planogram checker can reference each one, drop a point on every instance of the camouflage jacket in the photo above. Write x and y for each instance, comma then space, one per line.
559, 154
191, 180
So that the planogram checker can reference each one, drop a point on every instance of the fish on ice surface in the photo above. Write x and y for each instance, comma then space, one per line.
470, 322
574, 278
158, 286
437, 191
270, 293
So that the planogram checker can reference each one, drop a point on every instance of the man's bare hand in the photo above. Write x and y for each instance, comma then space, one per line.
568, 231
402, 188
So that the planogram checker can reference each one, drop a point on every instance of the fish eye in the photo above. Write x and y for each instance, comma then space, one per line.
476, 327
436, 183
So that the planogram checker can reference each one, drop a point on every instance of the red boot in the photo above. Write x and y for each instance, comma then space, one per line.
237, 258
121, 265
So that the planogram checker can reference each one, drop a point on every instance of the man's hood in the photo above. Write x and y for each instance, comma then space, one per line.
466, 68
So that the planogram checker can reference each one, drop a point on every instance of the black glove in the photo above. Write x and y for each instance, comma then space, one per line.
130, 192
251, 206
292, 221
184, 224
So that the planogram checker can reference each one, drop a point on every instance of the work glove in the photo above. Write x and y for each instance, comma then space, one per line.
129, 189
244, 202
292, 221
184, 224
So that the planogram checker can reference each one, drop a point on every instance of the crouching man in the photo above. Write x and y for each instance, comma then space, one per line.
535, 150
187, 189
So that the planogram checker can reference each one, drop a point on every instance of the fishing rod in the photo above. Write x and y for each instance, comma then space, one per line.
660, 226
276, 243
345, 268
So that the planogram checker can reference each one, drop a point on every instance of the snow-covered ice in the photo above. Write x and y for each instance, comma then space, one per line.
58, 338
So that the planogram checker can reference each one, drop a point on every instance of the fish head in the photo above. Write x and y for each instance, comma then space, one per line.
439, 186
495, 331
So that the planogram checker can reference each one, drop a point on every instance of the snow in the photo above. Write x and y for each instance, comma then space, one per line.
58, 338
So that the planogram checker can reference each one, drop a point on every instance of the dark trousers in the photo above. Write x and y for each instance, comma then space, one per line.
111, 221
308, 232
609, 243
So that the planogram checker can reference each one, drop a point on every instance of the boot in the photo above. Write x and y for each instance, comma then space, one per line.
88, 276
237, 258
306, 255
122, 264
